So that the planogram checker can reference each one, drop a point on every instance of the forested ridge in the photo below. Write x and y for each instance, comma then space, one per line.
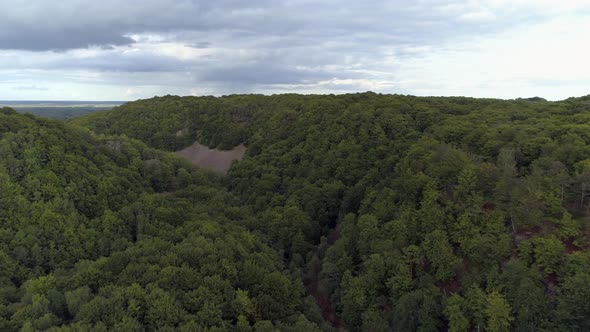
360, 212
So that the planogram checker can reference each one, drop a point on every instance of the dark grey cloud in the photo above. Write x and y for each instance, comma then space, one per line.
34, 39
67, 24
121, 62
98, 60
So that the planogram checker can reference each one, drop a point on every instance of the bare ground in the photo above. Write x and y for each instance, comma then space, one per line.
312, 283
212, 159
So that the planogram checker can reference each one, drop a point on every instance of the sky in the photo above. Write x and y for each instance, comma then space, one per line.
133, 49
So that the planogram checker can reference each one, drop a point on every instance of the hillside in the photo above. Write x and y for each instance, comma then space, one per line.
106, 234
360, 212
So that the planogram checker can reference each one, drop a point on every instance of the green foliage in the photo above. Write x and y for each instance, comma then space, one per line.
498, 312
91, 237
475, 305
455, 314
440, 254
546, 252
568, 228
389, 212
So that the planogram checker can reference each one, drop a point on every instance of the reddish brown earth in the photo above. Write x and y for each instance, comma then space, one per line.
321, 299
312, 282
488, 207
570, 247
212, 159
547, 227
451, 287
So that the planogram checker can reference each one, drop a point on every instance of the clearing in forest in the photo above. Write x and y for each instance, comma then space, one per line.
212, 159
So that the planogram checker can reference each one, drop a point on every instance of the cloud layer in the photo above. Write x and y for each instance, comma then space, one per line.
108, 49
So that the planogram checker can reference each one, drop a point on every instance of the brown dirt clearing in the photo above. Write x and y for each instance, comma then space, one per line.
213, 159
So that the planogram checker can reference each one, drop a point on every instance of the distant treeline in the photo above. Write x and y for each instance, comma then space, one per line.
60, 112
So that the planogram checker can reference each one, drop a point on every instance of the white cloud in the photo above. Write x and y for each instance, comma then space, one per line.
547, 59
479, 16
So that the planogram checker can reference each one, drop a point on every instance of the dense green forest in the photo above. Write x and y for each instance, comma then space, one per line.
358, 212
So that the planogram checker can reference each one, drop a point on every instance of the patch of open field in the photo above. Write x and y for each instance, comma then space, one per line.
212, 159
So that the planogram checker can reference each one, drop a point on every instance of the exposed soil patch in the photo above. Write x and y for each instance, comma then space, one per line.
334, 235
321, 299
551, 284
451, 287
570, 247
526, 233
488, 207
577, 211
312, 283
547, 227
212, 159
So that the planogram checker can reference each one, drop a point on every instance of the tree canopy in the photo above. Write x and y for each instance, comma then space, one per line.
364, 211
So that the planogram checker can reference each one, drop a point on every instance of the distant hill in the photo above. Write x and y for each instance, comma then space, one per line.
533, 99
60, 109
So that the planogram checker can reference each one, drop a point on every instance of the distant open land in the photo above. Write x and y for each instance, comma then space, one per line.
59, 109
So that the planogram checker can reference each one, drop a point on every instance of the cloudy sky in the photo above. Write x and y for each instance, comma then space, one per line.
125, 50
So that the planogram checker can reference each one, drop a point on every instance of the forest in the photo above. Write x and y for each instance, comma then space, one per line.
60, 112
354, 212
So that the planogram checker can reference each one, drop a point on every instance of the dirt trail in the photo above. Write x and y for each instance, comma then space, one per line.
212, 159
312, 284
